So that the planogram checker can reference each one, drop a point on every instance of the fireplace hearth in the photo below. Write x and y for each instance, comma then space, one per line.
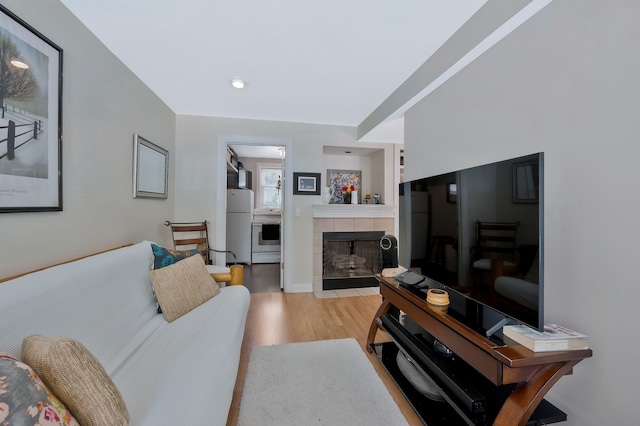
350, 259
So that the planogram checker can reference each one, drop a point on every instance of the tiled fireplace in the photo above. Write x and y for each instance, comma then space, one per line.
340, 219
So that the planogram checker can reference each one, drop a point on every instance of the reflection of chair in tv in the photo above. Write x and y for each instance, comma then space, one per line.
494, 241
442, 258
437, 251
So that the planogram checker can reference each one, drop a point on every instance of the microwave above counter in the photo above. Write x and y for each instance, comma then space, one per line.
242, 179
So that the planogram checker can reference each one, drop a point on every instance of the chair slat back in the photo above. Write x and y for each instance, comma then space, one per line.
190, 241
189, 228
496, 238
188, 235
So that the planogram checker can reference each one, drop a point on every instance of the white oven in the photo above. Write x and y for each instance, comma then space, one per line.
265, 239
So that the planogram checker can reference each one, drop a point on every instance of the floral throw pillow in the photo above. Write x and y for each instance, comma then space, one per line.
25, 400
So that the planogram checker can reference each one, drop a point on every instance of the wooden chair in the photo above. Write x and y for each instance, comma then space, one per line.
495, 243
190, 235
437, 250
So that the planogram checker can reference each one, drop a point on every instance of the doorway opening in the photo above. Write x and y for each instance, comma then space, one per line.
255, 228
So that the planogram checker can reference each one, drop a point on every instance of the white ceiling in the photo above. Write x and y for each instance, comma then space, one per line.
274, 152
330, 62
257, 151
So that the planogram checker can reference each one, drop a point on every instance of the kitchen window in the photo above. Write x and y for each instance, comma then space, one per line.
270, 185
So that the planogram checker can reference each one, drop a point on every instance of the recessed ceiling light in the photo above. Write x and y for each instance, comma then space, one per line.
238, 83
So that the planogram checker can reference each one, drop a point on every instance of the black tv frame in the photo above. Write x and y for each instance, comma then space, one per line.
480, 312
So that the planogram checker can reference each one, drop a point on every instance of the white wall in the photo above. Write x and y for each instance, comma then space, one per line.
348, 162
380, 176
565, 83
196, 142
372, 167
104, 104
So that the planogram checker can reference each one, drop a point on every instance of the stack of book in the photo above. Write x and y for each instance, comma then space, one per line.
554, 338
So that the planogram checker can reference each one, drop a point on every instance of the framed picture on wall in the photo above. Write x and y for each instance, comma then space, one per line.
337, 180
150, 169
306, 183
30, 121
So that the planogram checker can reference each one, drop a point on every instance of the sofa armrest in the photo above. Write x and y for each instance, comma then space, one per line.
522, 292
234, 275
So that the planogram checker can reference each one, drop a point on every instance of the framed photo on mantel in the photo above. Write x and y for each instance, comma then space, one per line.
30, 118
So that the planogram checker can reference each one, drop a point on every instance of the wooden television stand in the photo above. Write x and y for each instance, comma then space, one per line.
513, 379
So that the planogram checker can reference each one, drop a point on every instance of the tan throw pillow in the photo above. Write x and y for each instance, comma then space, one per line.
77, 378
183, 286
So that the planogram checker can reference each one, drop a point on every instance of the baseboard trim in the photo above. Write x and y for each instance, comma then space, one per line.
301, 288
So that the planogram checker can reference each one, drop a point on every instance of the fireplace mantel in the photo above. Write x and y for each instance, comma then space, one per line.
322, 211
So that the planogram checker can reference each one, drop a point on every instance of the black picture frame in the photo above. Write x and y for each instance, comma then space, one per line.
306, 183
30, 120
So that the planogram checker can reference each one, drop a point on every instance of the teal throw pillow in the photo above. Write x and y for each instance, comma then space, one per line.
164, 257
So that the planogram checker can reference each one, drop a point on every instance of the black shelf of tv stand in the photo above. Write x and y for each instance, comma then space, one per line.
513, 379
470, 399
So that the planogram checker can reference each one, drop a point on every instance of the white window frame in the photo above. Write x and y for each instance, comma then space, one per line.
259, 167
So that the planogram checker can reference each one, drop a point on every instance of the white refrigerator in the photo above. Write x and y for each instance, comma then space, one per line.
413, 228
239, 217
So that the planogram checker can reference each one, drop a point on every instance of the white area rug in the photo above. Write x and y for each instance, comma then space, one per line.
330, 382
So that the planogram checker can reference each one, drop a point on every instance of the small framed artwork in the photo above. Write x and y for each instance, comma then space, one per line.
526, 181
150, 169
31, 118
306, 183
339, 180
452, 193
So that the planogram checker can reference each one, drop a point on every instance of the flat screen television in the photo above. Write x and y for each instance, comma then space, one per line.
449, 225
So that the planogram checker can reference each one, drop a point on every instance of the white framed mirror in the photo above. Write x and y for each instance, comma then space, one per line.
150, 169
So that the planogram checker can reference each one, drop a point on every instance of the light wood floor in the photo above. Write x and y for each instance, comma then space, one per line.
276, 318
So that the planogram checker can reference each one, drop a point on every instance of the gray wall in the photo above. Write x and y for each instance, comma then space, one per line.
566, 83
104, 104
196, 176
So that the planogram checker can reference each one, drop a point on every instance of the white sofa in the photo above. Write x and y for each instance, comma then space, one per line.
523, 291
178, 373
